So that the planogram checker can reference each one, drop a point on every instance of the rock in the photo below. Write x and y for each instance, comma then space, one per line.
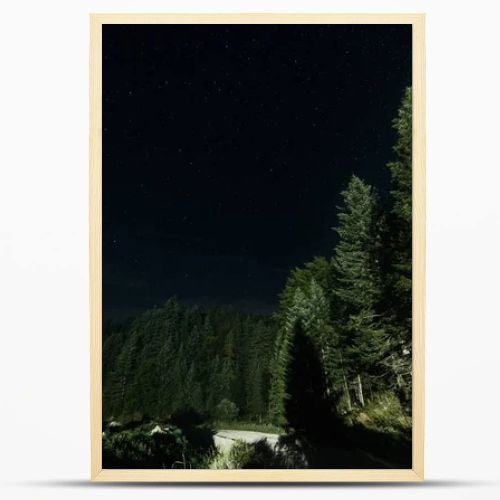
157, 429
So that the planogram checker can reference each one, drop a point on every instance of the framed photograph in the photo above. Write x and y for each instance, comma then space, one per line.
257, 247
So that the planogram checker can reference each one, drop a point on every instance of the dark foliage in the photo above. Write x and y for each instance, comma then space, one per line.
156, 446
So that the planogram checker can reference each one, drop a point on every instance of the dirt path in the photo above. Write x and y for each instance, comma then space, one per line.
225, 439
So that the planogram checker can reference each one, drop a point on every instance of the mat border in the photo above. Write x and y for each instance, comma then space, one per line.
416, 473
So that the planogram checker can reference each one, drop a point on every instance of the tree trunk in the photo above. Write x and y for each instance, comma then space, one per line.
346, 386
360, 391
325, 374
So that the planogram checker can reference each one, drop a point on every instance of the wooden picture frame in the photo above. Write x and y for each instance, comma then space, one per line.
416, 473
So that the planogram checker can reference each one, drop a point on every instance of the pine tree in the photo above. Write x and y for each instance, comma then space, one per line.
401, 210
398, 255
304, 312
279, 368
357, 281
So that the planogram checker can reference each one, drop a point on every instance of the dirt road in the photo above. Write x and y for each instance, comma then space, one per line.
225, 439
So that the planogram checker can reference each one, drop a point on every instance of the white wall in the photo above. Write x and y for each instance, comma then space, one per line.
44, 443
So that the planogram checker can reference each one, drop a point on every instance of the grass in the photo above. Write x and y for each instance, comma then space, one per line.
258, 455
384, 414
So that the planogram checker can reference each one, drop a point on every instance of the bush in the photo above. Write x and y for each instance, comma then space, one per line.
150, 446
239, 455
226, 410
384, 413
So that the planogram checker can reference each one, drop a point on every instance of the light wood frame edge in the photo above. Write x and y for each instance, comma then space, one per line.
95, 254
95, 242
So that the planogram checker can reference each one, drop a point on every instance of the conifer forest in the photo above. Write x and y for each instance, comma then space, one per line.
320, 379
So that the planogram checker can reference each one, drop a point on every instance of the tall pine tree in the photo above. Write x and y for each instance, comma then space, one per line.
398, 255
357, 282
401, 210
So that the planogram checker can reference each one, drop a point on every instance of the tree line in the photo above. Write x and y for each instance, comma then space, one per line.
212, 361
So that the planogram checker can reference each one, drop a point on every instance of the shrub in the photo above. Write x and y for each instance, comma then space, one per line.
226, 410
150, 446
385, 413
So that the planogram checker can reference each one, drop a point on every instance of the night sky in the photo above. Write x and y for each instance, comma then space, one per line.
225, 149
